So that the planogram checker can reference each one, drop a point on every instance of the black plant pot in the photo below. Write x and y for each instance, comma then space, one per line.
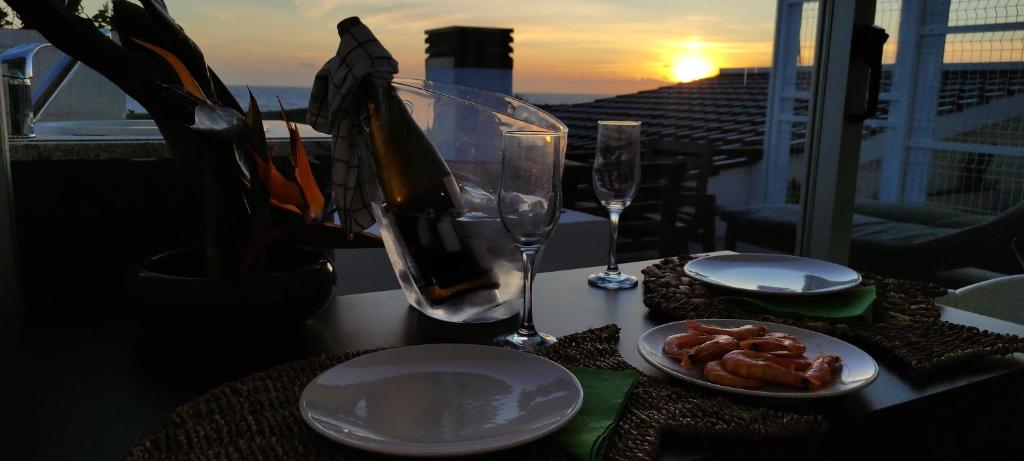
173, 289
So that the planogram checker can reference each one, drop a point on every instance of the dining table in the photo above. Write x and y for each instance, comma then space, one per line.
90, 391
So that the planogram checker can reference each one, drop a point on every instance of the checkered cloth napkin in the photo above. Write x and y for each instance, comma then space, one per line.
333, 110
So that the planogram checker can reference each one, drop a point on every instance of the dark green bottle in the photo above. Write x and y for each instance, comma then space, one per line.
422, 200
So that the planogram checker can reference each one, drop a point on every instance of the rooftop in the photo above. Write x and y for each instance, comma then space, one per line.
729, 109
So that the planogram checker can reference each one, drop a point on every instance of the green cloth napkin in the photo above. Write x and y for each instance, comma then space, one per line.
604, 395
850, 305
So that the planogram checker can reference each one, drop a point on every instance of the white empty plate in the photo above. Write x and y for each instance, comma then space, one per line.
859, 369
773, 274
441, 400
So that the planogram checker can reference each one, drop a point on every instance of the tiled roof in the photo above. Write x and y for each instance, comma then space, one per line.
728, 110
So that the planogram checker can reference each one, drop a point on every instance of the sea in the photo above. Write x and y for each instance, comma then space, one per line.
293, 97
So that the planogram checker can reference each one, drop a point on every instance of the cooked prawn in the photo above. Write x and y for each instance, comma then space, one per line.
820, 371
711, 350
715, 372
779, 335
678, 346
689, 339
793, 363
740, 333
775, 346
756, 365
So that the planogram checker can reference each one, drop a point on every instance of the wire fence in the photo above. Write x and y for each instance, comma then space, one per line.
975, 182
980, 110
808, 41
975, 12
971, 155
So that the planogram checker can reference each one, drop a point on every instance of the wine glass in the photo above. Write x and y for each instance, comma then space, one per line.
529, 202
616, 178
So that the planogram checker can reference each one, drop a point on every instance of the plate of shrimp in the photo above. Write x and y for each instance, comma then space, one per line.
761, 359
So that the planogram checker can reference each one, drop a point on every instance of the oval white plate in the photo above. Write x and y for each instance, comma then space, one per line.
774, 274
859, 369
441, 400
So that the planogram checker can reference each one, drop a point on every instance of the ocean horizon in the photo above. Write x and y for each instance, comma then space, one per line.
294, 97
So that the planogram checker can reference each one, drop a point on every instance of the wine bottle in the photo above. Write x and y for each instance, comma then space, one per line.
422, 200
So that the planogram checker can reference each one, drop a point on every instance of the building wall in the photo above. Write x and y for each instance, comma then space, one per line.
496, 80
732, 188
86, 95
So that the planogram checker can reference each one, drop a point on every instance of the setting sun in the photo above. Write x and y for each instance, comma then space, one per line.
692, 67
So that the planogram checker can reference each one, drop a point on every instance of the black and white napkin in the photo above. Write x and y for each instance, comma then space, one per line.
333, 109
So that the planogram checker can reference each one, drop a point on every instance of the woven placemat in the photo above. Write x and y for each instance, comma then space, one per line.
258, 417
906, 330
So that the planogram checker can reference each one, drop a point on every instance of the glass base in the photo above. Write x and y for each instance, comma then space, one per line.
525, 342
612, 281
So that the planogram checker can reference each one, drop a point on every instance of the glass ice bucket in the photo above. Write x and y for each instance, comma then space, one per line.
465, 125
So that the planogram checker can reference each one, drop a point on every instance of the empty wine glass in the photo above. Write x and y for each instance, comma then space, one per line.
530, 202
616, 178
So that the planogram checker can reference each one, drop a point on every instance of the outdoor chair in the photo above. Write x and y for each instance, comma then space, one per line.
672, 206
895, 238
1001, 298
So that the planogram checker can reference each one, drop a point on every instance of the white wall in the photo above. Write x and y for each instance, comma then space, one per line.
496, 80
733, 188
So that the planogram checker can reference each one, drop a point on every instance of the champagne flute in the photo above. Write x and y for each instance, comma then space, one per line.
530, 202
616, 179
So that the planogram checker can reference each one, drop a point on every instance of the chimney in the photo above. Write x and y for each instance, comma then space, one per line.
477, 57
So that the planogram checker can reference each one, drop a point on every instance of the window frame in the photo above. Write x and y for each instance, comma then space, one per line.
833, 141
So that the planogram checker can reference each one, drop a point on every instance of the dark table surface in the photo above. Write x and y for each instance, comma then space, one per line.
89, 391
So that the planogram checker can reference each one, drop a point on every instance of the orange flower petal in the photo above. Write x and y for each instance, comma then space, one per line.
179, 68
304, 175
281, 190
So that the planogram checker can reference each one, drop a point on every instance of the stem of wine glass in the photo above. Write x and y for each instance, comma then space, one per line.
613, 215
529, 254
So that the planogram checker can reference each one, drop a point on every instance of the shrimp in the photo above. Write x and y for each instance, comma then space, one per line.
716, 373
740, 333
689, 339
775, 346
779, 335
755, 365
793, 363
711, 350
820, 371
678, 346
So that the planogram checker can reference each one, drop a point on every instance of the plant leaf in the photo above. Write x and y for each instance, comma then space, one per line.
304, 175
173, 37
284, 194
223, 95
303, 172
285, 206
255, 120
179, 68
221, 122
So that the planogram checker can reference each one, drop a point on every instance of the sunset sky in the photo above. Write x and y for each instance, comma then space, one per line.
563, 46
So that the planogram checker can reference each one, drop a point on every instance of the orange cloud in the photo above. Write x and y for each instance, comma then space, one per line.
596, 46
